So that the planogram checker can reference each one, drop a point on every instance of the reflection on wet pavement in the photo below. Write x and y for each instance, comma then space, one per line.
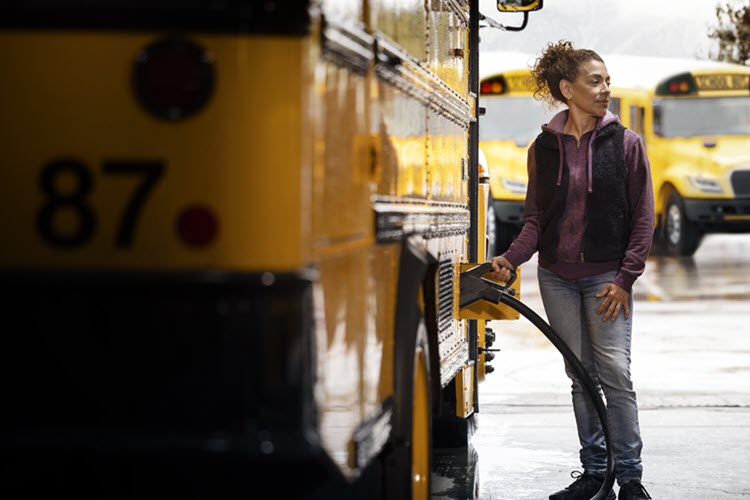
719, 269
454, 473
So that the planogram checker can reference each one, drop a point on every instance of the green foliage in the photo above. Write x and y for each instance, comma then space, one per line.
732, 33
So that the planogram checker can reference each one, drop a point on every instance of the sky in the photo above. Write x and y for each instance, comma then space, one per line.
664, 28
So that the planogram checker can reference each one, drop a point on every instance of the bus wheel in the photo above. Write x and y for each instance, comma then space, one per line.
681, 236
420, 423
407, 466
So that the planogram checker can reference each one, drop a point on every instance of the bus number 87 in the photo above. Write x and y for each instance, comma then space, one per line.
75, 199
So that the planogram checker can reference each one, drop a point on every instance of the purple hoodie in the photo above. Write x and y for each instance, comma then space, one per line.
573, 224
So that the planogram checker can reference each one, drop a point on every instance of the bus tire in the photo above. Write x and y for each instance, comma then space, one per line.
408, 465
658, 244
681, 236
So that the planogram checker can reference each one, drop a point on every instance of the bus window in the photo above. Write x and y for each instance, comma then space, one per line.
614, 105
518, 119
695, 117
636, 121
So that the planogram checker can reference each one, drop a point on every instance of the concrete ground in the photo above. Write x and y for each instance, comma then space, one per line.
691, 368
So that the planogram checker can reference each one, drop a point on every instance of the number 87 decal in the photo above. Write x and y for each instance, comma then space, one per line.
75, 199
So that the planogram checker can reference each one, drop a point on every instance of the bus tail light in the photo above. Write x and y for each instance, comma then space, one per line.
173, 79
197, 226
683, 84
493, 86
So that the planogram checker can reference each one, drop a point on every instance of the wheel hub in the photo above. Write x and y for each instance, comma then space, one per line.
674, 223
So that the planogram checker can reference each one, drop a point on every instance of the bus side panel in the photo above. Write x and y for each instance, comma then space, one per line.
349, 12
448, 159
343, 163
357, 280
355, 343
401, 129
404, 22
423, 164
448, 51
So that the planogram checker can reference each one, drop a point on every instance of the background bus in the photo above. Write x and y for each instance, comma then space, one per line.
233, 233
512, 120
694, 118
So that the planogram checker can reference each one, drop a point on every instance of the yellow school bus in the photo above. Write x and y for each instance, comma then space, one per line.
694, 118
511, 121
233, 233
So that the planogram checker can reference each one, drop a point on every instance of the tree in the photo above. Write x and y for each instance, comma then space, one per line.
732, 33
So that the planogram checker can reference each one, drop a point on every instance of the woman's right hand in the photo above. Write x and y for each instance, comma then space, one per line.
501, 269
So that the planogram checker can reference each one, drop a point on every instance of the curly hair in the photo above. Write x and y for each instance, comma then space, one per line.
559, 61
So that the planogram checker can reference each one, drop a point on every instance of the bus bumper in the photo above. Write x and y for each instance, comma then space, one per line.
719, 215
137, 385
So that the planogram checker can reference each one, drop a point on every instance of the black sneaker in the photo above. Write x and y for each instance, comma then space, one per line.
633, 490
583, 488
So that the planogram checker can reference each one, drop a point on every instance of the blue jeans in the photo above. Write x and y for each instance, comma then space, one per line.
604, 349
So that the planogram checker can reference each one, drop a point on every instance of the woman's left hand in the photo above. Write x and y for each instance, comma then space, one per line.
615, 298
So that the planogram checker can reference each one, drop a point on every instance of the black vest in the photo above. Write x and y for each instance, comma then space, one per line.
607, 206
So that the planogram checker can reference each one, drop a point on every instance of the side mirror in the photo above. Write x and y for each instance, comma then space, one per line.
519, 5
524, 6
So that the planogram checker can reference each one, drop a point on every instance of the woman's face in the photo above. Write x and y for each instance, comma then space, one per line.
590, 91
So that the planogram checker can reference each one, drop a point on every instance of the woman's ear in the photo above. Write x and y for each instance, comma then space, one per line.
566, 90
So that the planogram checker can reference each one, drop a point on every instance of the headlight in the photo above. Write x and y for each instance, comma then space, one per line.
705, 184
515, 187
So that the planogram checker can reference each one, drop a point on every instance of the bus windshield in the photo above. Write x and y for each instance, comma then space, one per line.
695, 117
513, 118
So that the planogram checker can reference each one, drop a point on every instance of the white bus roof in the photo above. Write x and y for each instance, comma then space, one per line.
492, 63
625, 71
647, 72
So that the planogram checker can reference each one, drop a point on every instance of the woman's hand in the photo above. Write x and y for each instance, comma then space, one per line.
615, 298
501, 269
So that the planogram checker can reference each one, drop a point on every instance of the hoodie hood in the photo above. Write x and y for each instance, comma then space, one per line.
555, 127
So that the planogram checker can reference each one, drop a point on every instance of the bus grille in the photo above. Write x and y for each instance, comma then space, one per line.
741, 182
445, 300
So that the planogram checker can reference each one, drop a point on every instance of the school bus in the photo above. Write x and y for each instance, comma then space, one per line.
233, 237
511, 121
694, 119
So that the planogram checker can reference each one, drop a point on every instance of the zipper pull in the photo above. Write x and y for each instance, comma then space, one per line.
582, 261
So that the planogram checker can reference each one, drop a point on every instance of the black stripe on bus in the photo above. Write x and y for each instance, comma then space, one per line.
277, 17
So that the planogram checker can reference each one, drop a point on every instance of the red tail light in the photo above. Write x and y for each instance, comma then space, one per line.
493, 86
174, 78
197, 226
682, 84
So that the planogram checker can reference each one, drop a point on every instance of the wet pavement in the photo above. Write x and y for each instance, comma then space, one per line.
691, 369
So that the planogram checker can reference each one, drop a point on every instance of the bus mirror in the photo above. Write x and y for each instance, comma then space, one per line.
523, 6
519, 5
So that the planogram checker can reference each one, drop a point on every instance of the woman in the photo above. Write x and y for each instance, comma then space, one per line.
589, 212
